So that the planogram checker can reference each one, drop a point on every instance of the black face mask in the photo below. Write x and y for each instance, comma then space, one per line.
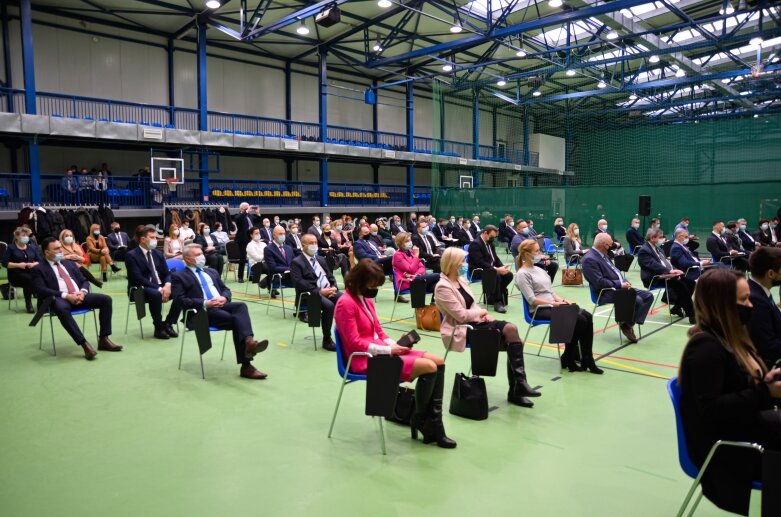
371, 293
490, 240
326, 233
744, 313
116, 230
366, 237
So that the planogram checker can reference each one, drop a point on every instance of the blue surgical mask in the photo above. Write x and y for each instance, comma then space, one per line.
425, 231
463, 270
525, 231
660, 243
280, 239
206, 231
373, 234
24, 239
743, 227
311, 250
58, 257
764, 227
603, 227
408, 245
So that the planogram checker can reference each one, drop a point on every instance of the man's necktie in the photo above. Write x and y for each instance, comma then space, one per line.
321, 280
375, 249
428, 246
282, 251
152, 268
206, 290
119, 236
68, 282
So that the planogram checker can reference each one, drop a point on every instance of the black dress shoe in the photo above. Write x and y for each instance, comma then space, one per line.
274, 293
171, 331
241, 280
498, 307
677, 311
302, 316
329, 345
264, 283
115, 269
160, 333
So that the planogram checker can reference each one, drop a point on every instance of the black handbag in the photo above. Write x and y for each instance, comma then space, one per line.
469, 398
405, 405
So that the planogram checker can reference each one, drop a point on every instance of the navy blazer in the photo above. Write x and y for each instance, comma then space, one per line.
291, 242
362, 250
275, 262
45, 282
113, 240
475, 230
718, 248
681, 258
187, 289
764, 327
440, 233
479, 256
634, 239
14, 254
140, 274
507, 233
650, 264
749, 244
204, 241
244, 221
267, 234
598, 273
304, 277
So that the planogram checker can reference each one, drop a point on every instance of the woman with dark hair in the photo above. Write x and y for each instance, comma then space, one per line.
762, 234
212, 249
726, 390
360, 331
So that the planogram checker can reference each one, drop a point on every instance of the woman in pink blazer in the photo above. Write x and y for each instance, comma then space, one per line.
459, 306
359, 330
408, 266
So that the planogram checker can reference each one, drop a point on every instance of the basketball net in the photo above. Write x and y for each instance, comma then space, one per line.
172, 183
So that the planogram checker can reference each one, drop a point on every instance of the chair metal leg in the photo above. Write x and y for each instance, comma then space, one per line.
200, 358
382, 436
395, 300
607, 321
181, 347
688, 498
51, 329
95, 321
224, 339
127, 315
282, 293
40, 333
314, 339
338, 401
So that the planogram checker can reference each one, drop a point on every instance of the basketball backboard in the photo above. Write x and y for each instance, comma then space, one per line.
167, 170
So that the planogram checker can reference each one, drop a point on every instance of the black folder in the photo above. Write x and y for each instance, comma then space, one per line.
623, 262
562, 323
43, 308
489, 281
200, 322
383, 375
314, 309
624, 301
140, 301
484, 349
417, 288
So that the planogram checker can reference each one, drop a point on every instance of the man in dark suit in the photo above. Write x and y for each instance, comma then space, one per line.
293, 239
118, 242
278, 256
602, 274
202, 289
412, 223
311, 273
62, 282
615, 248
427, 246
247, 218
482, 255
463, 234
315, 228
266, 232
507, 230
718, 244
475, 226
653, 264
633, 236
451, 224
765, 324
364, 248
749, 244
147, 270
442, 233
532, 232
682, 257
277, 222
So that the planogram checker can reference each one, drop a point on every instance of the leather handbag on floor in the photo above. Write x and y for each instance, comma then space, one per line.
427, 318
405, 405
572, 276
469, 398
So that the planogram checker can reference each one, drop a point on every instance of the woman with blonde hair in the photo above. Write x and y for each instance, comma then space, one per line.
407, 265
726, 390
21, 257
573, 245
76, 254
98, 252
535, 286
172, 245
459, 306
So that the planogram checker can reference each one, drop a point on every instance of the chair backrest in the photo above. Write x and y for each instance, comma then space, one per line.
232, 251
3, 249
175, 264
548, 246
341, 366
687, 465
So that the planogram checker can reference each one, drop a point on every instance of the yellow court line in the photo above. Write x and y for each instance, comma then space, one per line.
632, 368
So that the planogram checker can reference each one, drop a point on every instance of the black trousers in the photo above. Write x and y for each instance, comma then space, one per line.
216, 262
552, 268
63, 308
233, 316
154, 299
500, 292
643, 302
256, 272
327, 316
22, 278
681, 291
242, 256
386, 263
582, 336
118, 255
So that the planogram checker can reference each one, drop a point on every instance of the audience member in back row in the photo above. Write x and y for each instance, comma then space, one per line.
442, 233
573, 246
748, 242
684, 225
98, 251
657, 272
603, 275
633, 236
365, 249
615, 248
722, 246
293, 239
76, 254
427, 246
219, 233
524, 234
507, 229
256, 256
407, 265
212, 249
725, 389
200, 289
459, 306
21, 258
560, 229
118, 242
537, 291
147, 270
248, 217
172, 246
482, 257
682, 257
277, 258
62, 283
765, 324
330, 250
342, 238
463, 233
360, 331
763, 235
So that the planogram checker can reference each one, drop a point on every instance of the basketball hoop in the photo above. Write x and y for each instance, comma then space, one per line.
172, 183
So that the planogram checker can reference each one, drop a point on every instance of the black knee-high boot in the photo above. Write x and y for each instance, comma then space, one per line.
516, 377
429, 420
424, 388
90, 277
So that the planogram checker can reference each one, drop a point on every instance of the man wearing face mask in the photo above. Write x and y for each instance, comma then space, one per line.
266, 234
364, 248
442, 233
427, 247
482, 255
615, 248
278, 257
507, 231
248, 217
277, 222
765, 323
682, 258
749, 244
117, 242
61, 281
293, 239
315, 228
542, 261
412, 224
740, 259
202, 289
463, 233
147, 270
601, 274
653, 264
311, 274
475, 226
633, 236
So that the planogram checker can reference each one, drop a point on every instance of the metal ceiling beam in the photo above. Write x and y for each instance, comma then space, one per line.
292, 18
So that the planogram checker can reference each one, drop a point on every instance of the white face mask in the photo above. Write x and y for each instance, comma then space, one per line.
294, 231
603, 227
256, 237
68, 240
176, 232
685, 241
311, 250
152, 244
24, 239
200, 261
280, 239
338, 228
96, 233
635, 225
538, 257
58, 257
317, 224
408, 245
576, 231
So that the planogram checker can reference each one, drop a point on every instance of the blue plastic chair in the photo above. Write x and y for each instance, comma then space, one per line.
347, 376
175, 264
533, 321
396, 292
51, 316
684, 459
200, 356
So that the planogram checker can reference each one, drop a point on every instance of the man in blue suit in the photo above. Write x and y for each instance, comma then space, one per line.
147, 270
365, 249
278, 256
602, 274
682, 258
70, 184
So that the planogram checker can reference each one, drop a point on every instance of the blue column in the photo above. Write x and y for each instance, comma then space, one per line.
203, 111
28, 67
171, 98
410, 142
323, 119
475, 123
7, 56
410, 185
288, 96
375, 117
526, 135
493, 127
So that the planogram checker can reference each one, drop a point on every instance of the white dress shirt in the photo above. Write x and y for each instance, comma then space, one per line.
62, 285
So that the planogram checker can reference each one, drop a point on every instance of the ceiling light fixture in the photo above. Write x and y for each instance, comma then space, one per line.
377, 44
302, 29
447, 67
728, 10
601, 84
521, 53
633, 97
213, 4
384, 4
571, 72
536, 93
756, 116
725, 80
612, 35
501, 82
555, 3
456, 28
653, 59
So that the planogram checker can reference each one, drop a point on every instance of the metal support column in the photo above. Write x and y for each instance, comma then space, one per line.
375, 117
493, 127
28, 68
171, 90
568, 142
288, 96
7, 56
289, 169
203, 111
376, 173
323, 119
476, 123
526, 135
410, 143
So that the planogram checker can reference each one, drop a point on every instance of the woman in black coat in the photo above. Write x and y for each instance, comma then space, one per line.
212, 250
726, 391
21, 257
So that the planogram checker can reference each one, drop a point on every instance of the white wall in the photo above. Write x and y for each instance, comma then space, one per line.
551, 149
304, 96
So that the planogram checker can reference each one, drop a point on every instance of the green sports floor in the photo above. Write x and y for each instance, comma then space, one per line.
130, 435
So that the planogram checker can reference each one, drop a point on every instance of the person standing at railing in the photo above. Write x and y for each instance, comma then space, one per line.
70, 186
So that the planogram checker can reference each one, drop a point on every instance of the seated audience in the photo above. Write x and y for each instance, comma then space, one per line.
277, 258
186, 234
360, 331
633, 236
311, 274
443, 233
396, 225
412, 223
407, 265
293, 239
330, 250
615, 248
601, 274
524, 234
762, 235
681, 257
342, 238
256, 256
692, 244
748, 242
483, 256
384, 234
532, 232
118, 242
172, 245
365, 249
427, 246
537, 290
740, 259
765, 324
559, 229
276, 222
98, 252
374, 237
573, 246
76, 254
219, 233
147, 270
61, 281
212, 249
725, 388
653, 264
21, 258
315, 228
463, 233
458, 306
266, 234
507, 229
775, 232
202, 289
475, 226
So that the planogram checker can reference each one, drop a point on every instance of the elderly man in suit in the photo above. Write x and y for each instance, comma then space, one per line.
311, 274
682, 257
720, 246
365, 248
765, 324
615, 248
293, 239
61, 282
147, 270
118, 242
427, 246
475, 226
601, 274
202, 289
247, 218
633, 236
278, 256
482, 255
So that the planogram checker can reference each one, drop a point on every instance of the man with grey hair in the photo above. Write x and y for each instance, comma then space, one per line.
202, 289
657, 272
615, 247
749, 244
682, 258
602, 274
